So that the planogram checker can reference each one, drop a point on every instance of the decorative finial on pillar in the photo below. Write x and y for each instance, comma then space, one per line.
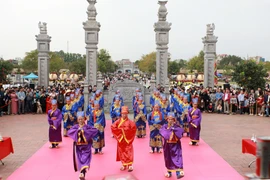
91, 10
42, 27
162, 12
210, 29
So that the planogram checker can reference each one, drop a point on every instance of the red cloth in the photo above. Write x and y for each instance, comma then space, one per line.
124, 132
6, 147
248, 146
48, 104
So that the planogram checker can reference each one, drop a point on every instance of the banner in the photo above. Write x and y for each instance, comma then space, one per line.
215, 73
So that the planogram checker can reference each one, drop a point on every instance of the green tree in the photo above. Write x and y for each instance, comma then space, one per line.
78, 66
104, 62
249, 74
69, 57
30, 62
147, 63
56, 62
229, 62
266, 65
175, 66
196, 63
5, 69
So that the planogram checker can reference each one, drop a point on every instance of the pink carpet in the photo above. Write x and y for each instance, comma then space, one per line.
200, 163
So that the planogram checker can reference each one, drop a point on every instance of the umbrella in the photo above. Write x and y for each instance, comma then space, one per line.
31, 76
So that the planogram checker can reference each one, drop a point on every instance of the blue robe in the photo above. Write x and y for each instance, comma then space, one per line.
115, 112
69, 117
186, 107
97, 120
100, 100
140, 120
155, 123
121, 100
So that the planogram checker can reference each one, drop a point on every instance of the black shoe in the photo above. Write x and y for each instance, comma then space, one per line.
179, 176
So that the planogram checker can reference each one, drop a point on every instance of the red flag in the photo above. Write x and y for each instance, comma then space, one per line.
216, 73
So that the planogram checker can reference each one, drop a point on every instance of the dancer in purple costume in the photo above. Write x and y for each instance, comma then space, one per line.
194, 119
82, 135
172, 149
55, 120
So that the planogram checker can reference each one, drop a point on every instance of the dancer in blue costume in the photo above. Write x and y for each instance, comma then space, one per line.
135, 97
115, 110
99, 97
155, 122
68, 114
140, 118
118, 94
90, 107
186, 107
97, 120
165, 106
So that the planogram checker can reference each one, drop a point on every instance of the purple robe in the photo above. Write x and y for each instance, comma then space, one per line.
83, 140
194, 124
172, 148
55, 135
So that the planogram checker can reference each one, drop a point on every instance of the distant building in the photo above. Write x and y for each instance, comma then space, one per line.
16, 61
257, 59
126, 66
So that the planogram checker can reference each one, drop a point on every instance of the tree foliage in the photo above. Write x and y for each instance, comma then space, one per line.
5, 69
196, 63
69, 57
249, 74
56, 62
78, 66
30, 62
175, 66
229, 62
266, 65
147, 63
105, 63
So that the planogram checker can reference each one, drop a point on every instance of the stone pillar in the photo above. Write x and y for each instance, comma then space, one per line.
209, 42
162, 28
91, 27
43, 47
86, 95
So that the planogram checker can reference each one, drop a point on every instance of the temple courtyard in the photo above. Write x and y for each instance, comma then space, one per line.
223, 133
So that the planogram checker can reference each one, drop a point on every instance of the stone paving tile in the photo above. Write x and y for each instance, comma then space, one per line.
222, 132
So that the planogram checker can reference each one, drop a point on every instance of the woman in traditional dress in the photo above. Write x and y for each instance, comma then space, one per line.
14, 103
82, 135
172, 149
155, 122
194, 119
55, 120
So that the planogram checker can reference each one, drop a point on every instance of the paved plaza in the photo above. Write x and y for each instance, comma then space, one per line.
222, 132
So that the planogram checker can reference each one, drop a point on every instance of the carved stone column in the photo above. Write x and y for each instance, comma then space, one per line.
92, 28
162, 28
86, 95
209, 42
43, 47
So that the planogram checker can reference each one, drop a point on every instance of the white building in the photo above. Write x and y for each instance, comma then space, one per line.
126, 66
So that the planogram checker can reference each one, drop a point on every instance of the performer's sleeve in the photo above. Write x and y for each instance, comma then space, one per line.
49, 119
189, 116
111, 112
73, 132
178, 131
90, 133
149, 119
58, 121
117, 133
165, 133
129, 132
197, 121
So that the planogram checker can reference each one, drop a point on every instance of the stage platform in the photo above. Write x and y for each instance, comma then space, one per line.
200, 163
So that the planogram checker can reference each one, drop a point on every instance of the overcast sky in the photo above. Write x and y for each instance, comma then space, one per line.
242, 26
